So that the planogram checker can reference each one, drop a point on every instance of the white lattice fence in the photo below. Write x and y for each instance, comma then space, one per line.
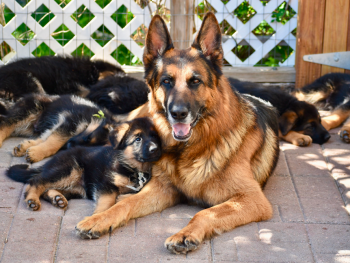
244, 31
102, 16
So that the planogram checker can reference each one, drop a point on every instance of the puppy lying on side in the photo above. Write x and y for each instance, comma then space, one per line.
52, 120
299, 121
119, 94
52, 75
98, 173
330, 92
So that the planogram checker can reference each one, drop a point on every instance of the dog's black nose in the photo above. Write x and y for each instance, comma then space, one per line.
326, 137
179, 112
152, 147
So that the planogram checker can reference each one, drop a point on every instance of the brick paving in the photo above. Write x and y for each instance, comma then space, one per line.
309, 191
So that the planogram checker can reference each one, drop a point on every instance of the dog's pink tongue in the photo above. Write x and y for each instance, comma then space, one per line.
181, 129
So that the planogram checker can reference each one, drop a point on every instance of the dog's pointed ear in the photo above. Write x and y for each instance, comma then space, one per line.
286, 121
208, 39
116, 136
158, 40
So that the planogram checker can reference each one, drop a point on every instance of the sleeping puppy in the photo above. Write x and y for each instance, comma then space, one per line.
119, 94
330, 92
52, 75
51, 121
98, 173
299, 121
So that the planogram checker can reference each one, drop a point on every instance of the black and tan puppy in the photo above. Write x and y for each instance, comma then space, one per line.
52, 75
98, 173
119, 94
299, 121
51, 121
330, 92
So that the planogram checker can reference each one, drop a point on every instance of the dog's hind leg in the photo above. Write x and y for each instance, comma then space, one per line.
21, 149
47, 148
56, 198
337, 117
32, 196
296, 138
104, 202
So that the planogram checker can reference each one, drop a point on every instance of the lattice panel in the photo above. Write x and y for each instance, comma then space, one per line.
102, 17
244, 31
61, 19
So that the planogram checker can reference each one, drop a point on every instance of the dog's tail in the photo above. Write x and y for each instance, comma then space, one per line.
21, 173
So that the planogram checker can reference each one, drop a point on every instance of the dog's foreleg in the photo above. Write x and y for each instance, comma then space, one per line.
5, 132
104, 202
47, 148
154, 197
239, 210
296, 138
335, 119
345, 132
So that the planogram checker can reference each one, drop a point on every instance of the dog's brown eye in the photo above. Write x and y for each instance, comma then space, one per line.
196, 81
166, 81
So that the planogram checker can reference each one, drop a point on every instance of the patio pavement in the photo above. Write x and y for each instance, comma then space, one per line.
309, 191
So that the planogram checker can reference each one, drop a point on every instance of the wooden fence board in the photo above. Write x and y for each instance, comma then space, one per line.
311, 16
254, 74
348, 40
335, 30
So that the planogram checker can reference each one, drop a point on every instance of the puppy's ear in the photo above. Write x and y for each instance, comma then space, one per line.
208, 39
287, 120
117, 135
158, 40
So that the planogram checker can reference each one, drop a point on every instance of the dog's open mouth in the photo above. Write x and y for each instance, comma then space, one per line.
183, 131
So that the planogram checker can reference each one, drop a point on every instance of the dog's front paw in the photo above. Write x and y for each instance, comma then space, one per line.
182, 243
303, 141
93, 227
344, 135
33, 155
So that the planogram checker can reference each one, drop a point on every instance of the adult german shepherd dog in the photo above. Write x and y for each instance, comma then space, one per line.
219, 147
330, 92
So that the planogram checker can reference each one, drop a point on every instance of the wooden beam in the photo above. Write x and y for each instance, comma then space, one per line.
348, 41
335, 30
253, 74
311, 15
181, 23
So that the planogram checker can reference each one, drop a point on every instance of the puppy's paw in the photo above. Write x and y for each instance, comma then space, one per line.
59, 201
20, 149
33, 155
93, 227
33, 205
182, 243
345, 135
303, 141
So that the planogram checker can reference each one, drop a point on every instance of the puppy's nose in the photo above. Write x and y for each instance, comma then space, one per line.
179, 113
326, 137
152, 147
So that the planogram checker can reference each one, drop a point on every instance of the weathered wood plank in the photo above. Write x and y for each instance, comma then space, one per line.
348, 40
335, 30
254, 74
311, 15
181, 29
